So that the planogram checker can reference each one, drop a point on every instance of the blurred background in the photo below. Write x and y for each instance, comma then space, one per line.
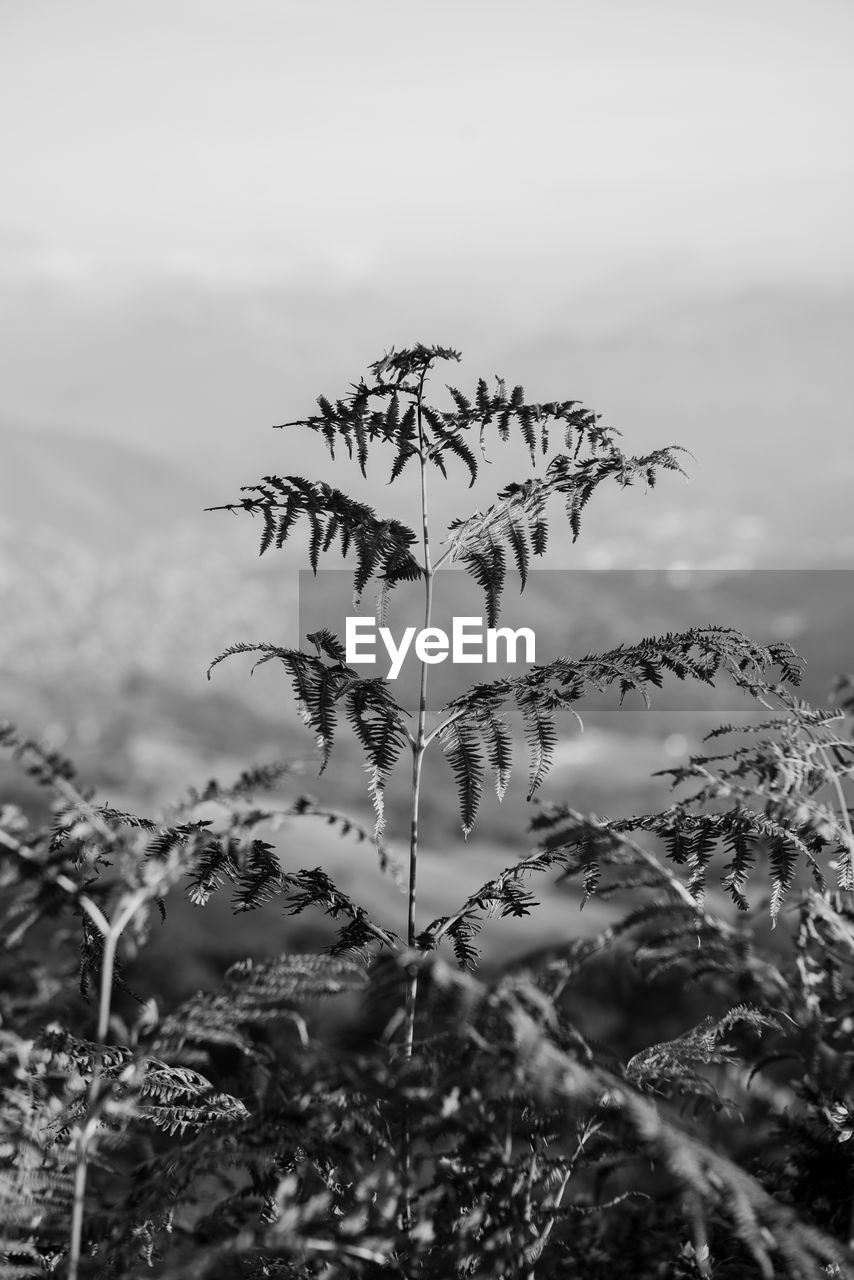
212, 212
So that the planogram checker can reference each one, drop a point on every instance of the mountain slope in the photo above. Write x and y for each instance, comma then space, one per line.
91, 491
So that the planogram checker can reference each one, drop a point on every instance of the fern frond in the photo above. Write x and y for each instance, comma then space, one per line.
319, 688
461, 748
522, 507
671, 1068
405, 439
540, 733
519, 545
447, 437
214, 865
260, 878
314, 888
488, 569
254, 992
351, 419
346, 825
378, 723
498, 741
382, 546
44, 765
702, 653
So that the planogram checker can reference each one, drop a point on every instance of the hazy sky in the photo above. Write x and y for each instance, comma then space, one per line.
214, 209
604, 142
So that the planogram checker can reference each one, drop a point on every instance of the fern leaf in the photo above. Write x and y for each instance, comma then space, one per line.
261, 878
526, 418
539, 530
519, 545
498, 740
330, 513
461, 748
269, 529
377, 722
488, 568
540, 736
463, 405
325, 641
406, 448
448, 439
328, 692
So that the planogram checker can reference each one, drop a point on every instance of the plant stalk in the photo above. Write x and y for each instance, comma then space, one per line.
111, 934
418, 748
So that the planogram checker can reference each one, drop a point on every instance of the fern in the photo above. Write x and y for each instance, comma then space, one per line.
700, 653
461, 747
382, 546
319, 687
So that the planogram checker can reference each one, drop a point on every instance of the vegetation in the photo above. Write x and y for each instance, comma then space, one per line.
378, 1108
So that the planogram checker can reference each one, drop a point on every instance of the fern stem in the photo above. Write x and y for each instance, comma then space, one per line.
591, 1127
457, 715
111, 934
420, 743
442, 558
418, 747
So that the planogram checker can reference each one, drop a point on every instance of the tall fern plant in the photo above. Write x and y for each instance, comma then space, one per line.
391, 410
472, 730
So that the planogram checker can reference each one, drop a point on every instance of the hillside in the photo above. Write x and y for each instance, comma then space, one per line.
86, 491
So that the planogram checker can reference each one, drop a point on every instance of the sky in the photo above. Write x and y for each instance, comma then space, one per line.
214, 210
323, 139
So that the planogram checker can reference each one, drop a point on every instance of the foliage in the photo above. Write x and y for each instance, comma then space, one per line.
378, 1109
